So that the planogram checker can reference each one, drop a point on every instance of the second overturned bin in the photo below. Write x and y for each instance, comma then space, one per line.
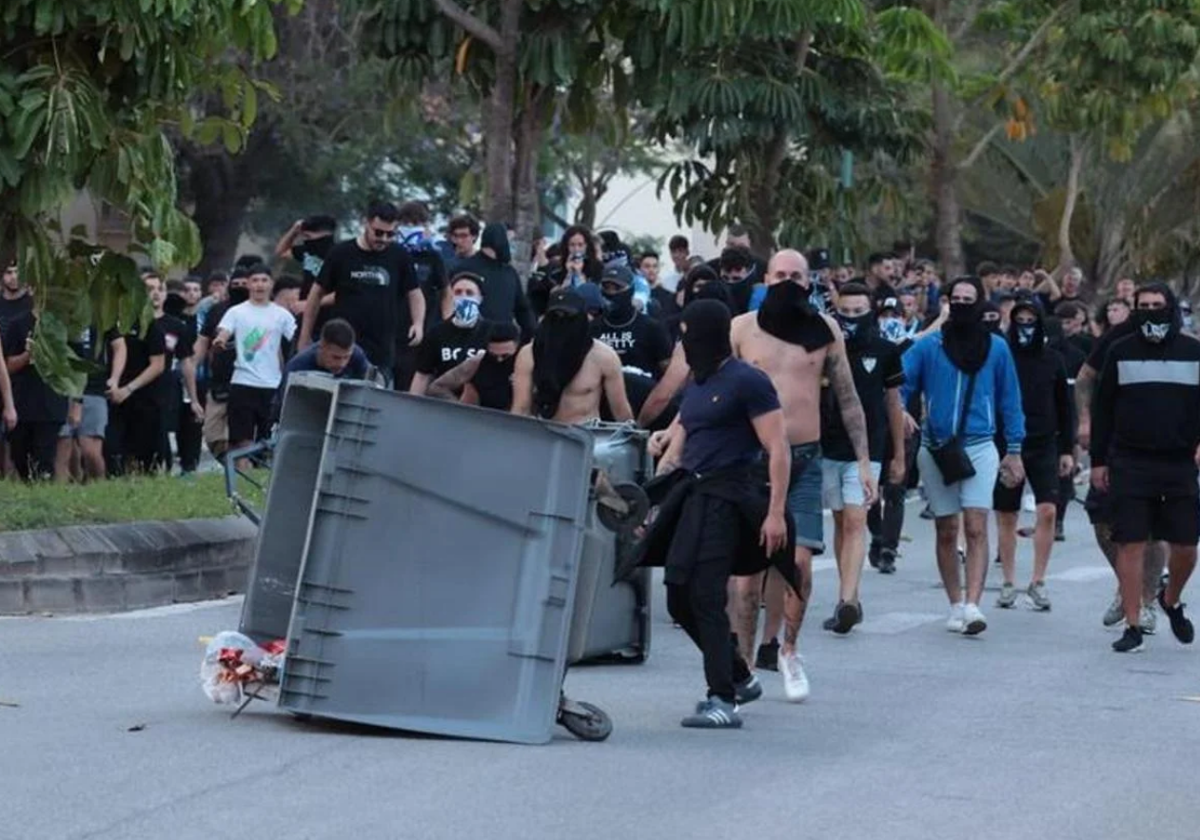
421, 559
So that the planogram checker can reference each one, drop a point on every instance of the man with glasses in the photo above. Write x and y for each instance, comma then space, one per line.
376, 288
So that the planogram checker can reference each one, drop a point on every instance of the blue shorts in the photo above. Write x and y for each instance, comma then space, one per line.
804, 497
974, 492
842, 484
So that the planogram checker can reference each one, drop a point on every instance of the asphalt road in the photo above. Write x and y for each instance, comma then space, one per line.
1035, 729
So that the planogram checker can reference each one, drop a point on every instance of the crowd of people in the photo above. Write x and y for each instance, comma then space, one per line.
773, 390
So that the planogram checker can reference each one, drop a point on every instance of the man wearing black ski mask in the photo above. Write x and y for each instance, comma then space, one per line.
1146, 447
563, 373
1047, 451
640, 341
716, 518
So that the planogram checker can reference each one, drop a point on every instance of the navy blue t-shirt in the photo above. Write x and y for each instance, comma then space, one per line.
717, 416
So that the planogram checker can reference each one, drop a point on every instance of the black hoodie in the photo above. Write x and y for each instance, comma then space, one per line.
1045, 397
1147, 404
503, 298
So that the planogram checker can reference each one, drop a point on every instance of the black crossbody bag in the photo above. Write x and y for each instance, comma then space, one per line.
951, 456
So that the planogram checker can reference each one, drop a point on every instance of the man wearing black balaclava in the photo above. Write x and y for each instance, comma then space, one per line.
564, 372
716, 518
878, 375
640, 341
1145, 449
1047, 452
505, 299
968, 379
797, 347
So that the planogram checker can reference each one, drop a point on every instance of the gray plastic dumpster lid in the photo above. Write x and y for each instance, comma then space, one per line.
437, 589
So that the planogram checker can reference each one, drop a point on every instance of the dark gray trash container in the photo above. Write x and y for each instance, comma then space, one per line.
440, 561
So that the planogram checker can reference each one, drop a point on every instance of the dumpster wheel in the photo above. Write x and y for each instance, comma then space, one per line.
585, 721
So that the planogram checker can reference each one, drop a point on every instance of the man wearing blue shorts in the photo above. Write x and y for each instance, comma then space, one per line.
968, 378
878, 375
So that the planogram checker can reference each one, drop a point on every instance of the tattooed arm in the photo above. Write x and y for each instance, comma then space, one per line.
450, 385
1085, 389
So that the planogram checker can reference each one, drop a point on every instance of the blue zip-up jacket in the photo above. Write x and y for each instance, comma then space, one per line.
929, 371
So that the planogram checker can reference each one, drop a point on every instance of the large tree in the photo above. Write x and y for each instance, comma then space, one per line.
88, 91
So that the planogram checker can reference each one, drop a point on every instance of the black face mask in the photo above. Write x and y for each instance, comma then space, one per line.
238, 295
857, 329
620, 307
706, 337
1154, 325
493, 381
964, 314
787, 314
560, 346
965, 338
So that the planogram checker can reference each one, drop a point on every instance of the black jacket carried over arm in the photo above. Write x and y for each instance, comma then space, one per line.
672, 539
1148, 401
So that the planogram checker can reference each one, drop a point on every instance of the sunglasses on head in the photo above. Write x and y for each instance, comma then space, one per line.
383, 234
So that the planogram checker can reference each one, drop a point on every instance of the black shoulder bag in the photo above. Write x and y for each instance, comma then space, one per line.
951, 456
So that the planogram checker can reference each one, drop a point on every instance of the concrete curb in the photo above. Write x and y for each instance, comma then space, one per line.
113, 568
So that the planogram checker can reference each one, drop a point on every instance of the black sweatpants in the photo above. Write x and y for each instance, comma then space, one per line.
698, 605
885, 519
140, 436
32, 446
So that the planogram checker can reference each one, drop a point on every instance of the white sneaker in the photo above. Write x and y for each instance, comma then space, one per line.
795, 681
973, 620
956, 622
1148, 619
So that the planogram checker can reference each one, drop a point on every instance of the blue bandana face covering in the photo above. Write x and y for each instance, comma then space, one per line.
466, 311
1025, 334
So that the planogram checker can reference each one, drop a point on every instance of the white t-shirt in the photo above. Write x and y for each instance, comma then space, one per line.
257, 330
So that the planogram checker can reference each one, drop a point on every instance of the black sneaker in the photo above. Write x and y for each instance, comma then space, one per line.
1059, 536
748, 691
768, 656
844, 618
1131, 642
927, 513
1181, 626
874, 554
713, 713
887, 562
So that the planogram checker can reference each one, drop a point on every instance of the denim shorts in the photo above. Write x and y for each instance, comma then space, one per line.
93, 422
804, 497
842, 484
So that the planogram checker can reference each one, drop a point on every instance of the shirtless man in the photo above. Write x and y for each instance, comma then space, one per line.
796, 346
564, 372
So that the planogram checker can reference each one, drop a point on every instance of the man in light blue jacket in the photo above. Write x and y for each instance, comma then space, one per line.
969, 382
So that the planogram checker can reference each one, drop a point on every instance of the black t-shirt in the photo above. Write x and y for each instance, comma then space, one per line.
138, 352
86, 349
11, 310
1101, 346
447, 345
372, 294
220, 362
663, 304
179, 340
717, 416
33, 398
643, 344
311, 256
876, 367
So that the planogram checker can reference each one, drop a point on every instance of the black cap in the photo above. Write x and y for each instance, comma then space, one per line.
566, 301
618, 275
592, 298
818, 259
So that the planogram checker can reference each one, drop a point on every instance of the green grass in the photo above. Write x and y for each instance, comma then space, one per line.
46, 505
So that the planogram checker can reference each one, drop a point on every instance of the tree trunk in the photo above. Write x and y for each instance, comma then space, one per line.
222, 191
944, 174
1066, 254
525, 187
500, 118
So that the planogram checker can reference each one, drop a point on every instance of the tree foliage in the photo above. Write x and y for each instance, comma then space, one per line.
88, 90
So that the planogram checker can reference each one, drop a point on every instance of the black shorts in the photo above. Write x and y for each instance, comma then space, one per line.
1041, 472
1098, 505
249, 413
1154, 500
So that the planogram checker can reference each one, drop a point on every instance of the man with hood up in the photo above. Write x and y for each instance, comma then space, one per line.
1047, 452
968, 379
1145, 449
505, 299
715, 518
564, 372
